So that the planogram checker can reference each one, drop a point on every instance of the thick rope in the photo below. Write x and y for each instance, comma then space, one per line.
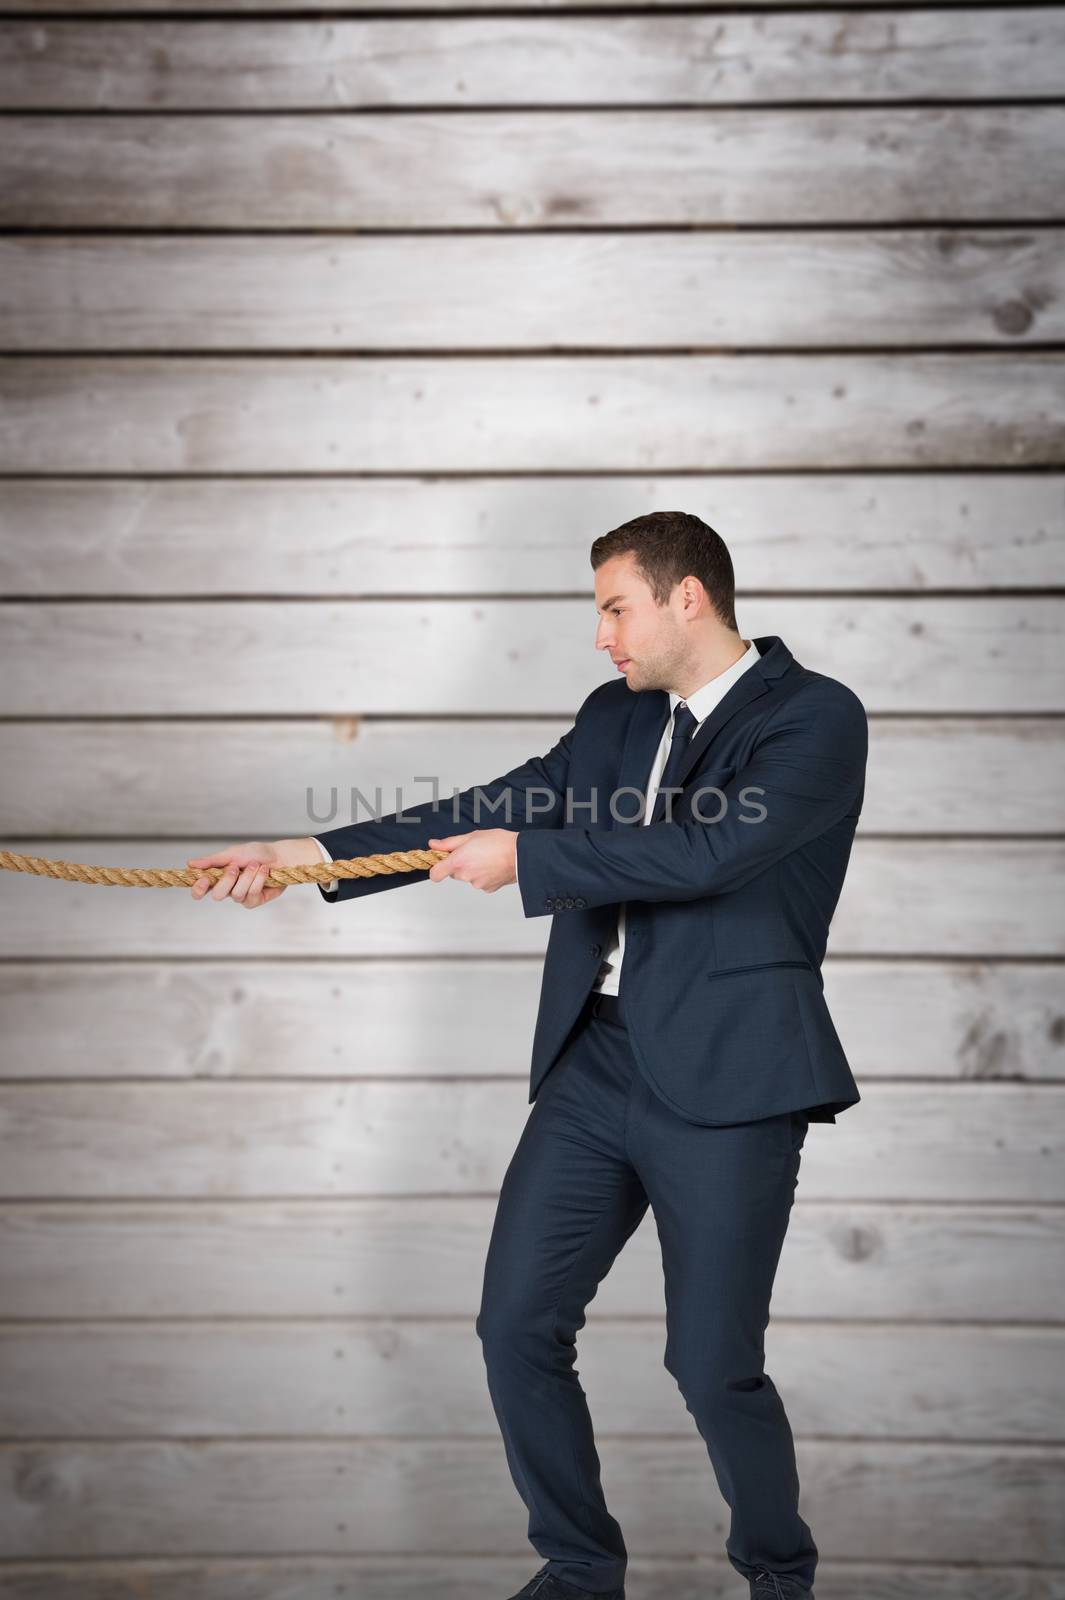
184, 878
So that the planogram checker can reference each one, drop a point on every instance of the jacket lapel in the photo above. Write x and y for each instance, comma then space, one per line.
649, 717
651, 713
743, 691
774, 657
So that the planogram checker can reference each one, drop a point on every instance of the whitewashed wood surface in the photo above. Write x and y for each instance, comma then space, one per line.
941, 1020
207, 537
457, 1577
1012, 51
62, 1141
854, 1261
520, 169
443, 7
977, 654
555, 290
276, 778
973, 898
623, 413
323, 1496
330, 342
424, 1378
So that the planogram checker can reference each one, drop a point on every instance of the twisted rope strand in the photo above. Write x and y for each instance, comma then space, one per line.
185, 877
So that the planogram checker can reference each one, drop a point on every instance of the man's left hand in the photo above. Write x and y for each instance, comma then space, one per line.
487, 858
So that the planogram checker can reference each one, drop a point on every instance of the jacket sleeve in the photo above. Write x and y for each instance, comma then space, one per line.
530, 796
329, 890
805, 774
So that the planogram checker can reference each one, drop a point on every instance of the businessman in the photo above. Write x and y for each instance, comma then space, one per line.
689, 836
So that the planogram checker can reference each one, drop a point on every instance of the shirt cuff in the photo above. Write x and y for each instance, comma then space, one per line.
333, 886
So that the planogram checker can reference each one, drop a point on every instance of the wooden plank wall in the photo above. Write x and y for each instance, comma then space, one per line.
331, 340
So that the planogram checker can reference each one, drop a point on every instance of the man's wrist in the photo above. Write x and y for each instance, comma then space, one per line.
298, 852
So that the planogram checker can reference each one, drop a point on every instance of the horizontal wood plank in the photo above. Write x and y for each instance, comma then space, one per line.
535, 169
485, 657
1014, 53
548, 291
345, 1377
927, 897
990, 1142
201, 1020
425, 1257
239, 1299
263, 8
966, 531
245, 778
466, 414
406, 1577
381, 1496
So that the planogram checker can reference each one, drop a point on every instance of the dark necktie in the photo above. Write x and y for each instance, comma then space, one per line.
684, 725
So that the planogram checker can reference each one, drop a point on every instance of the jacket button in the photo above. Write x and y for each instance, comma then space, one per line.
595, 949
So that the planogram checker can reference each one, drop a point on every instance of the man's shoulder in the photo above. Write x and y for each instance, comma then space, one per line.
806, 694
819, 688
612, 698
798, 685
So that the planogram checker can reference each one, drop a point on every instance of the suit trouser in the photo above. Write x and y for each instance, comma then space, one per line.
597, 1148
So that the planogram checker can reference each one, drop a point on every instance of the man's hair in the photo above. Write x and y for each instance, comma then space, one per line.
668, 545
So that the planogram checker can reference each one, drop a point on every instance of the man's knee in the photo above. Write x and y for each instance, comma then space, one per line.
520, 1331
710, 1378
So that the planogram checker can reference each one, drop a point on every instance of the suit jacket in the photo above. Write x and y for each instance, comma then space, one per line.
728, 902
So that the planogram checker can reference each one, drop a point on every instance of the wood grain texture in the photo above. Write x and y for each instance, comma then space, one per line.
264, 8
270, 778
568, 413
316, 1497
536, 291
425, 1257
982, 1142
332, 341
907, 897
1011, 53
457, 1577
346, 1376
842, 531
201, 1020
535, 169
534, 657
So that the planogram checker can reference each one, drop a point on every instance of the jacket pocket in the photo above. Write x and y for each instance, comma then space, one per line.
758, 966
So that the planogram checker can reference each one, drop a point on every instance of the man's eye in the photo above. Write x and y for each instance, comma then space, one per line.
616, 610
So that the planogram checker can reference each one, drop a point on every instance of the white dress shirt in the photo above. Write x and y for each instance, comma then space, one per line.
701, 703
334, 883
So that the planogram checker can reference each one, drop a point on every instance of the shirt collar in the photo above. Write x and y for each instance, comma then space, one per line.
703, 701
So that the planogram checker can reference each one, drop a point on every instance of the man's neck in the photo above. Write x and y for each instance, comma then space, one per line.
712, 668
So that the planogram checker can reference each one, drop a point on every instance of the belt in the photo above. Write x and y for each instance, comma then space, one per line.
604, 1006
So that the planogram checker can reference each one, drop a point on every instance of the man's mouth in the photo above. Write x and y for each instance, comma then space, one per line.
622, 663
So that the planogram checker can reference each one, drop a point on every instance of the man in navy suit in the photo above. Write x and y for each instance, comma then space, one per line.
689, 835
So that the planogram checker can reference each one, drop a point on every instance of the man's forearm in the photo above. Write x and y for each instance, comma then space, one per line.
303, 852
307, 852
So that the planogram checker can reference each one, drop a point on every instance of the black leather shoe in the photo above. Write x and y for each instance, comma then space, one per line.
545, 1586
768, 1585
